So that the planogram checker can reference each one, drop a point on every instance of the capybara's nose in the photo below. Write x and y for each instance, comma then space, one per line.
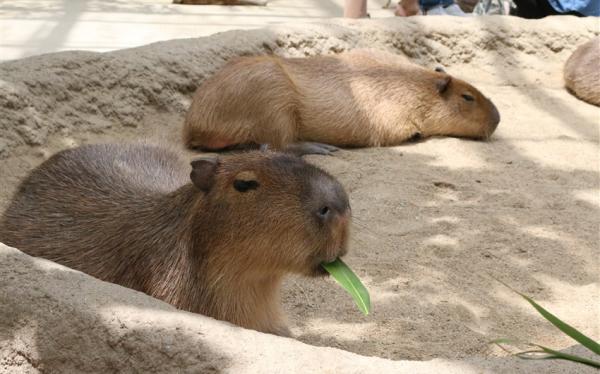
334, 211
494, 120
332, 200
324, 213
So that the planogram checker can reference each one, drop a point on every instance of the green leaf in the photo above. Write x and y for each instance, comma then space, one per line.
500, 343
556, 355
347, 279
562, 326
544, 353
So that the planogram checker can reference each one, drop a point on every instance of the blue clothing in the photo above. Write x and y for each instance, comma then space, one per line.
428, 4
584, 7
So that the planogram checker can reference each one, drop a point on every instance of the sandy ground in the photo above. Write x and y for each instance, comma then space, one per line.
56, 320
434, 220
33, 27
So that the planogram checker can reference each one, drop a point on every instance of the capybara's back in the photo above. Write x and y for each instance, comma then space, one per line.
107, 186
582, 72
229, 104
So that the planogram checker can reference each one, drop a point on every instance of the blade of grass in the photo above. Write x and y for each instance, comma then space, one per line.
534, 354
548, 353
350, 282
562, 326
556, 355
501, 341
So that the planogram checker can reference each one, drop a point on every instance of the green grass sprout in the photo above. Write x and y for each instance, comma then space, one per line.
541, 352
350, 282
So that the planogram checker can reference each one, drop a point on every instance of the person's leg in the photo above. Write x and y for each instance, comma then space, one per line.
355, 9
406, 8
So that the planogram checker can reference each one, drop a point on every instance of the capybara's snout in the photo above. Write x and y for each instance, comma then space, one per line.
330, 209
334, 214
334, 207
494, 120
339, 226
342, 228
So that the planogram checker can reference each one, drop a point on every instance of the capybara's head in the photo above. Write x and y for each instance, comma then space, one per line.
270, 213
459, 109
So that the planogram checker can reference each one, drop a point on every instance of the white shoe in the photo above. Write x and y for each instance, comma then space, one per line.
436, 11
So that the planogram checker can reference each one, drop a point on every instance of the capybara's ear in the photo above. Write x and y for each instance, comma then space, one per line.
203, 172
440, 69
443, 84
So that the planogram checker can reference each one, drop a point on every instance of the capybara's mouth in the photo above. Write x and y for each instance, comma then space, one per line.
319, 271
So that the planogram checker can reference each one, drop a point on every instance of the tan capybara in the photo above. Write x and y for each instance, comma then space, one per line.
361, 98
582, 72
218, 244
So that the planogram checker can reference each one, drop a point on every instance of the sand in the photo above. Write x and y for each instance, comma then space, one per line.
32, 27
57, 320
434, 221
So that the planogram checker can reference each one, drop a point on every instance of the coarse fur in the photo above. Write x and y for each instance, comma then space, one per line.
361, 98
582, 72
218, 245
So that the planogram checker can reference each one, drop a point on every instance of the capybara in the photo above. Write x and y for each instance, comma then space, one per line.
361, 98
215, 238
582, 72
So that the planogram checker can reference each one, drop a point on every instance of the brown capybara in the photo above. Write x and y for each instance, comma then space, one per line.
360, 98
582, 72
218, 244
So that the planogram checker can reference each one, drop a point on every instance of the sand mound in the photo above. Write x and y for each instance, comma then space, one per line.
433, 220
56, 320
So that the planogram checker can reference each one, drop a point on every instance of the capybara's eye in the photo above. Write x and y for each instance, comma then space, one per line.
245, 186
468, 97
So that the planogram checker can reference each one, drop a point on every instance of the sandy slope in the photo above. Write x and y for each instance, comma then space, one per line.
56, 320
434, 220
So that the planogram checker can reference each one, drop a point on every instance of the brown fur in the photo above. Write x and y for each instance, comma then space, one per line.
582, 72
360, 98
128, 214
